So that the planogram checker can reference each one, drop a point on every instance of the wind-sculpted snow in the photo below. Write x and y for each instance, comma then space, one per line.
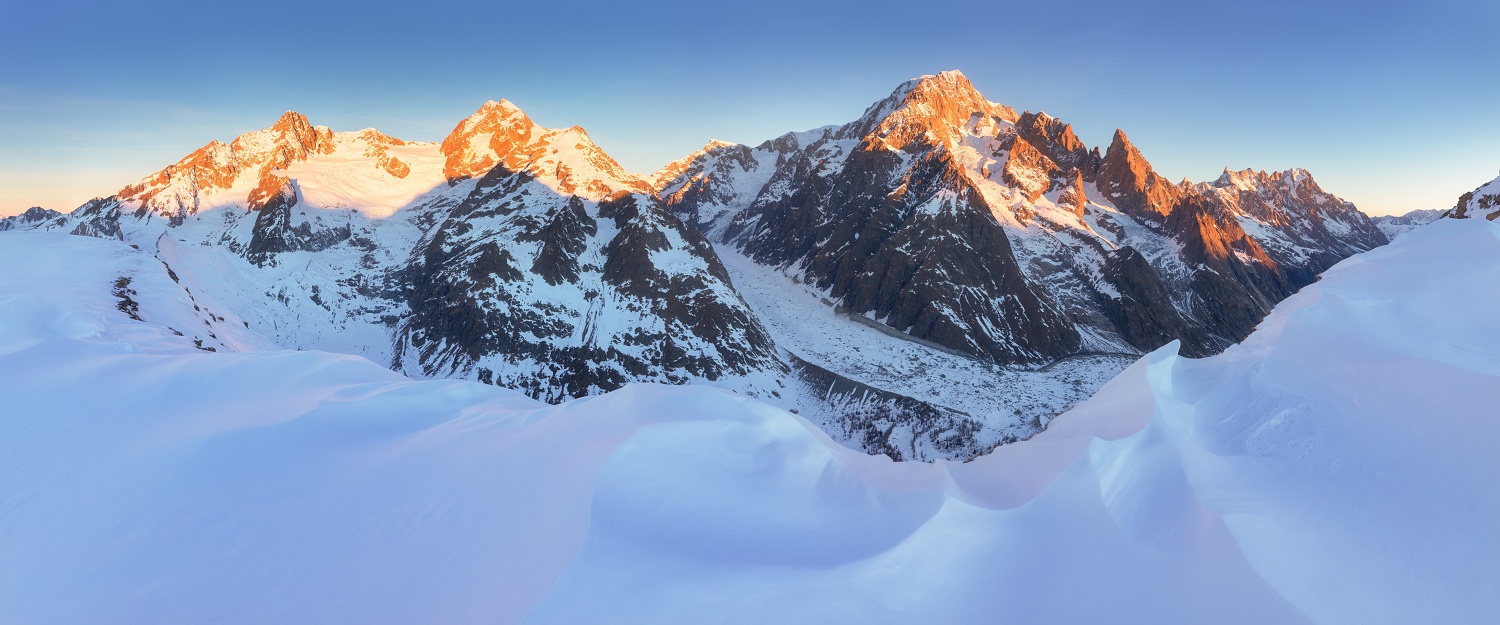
1336, 467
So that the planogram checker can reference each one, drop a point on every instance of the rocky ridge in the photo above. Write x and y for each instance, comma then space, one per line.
955, 220
514, 254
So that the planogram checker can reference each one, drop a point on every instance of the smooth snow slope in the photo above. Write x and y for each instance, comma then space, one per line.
1337, 467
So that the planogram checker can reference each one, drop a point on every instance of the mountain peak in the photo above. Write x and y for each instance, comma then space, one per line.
952, 80
290, 120
500, 134
484, 139
1128, 181
502, 108
949, 88
942, 104
288, 140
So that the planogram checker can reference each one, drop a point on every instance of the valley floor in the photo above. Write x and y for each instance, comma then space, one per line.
1010, 402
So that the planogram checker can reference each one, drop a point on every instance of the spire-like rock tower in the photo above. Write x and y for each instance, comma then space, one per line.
1127, 180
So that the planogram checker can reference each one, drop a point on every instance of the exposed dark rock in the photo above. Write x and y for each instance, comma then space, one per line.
275, 233
563, 238
99, 217
871, 416
127, 304
470, 287
1144, 313
918, 250
880, 213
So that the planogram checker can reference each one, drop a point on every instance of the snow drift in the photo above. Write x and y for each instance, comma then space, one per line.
1336, 467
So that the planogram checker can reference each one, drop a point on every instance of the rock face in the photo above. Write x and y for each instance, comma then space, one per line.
955, 220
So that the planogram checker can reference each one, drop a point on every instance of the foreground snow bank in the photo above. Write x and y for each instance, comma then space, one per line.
1335, 468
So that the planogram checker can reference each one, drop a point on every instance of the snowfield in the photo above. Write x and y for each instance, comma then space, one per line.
1336, 467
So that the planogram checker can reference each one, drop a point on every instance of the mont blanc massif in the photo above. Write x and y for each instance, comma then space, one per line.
946, 350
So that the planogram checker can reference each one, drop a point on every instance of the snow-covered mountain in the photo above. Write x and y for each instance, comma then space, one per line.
1338, 466
557, 271
509, 253
942, 276
999, 235
30, 219
1397, 225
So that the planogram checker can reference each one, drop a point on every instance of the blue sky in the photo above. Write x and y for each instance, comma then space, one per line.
1390, 105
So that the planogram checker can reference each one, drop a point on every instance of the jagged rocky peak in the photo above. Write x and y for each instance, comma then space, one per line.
1128, 181
1250, 179
500, 134
1292, 196
1056, 140
254, 156
938, 107
291, 138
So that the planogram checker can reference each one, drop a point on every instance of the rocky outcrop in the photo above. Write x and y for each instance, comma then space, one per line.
378, 148
1073, 196
277, 231
1482, 202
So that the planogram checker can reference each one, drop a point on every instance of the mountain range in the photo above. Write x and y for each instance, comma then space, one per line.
938, 277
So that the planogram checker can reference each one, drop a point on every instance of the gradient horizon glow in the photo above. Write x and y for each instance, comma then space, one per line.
1392, 106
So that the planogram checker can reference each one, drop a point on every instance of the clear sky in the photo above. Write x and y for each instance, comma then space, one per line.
1392, 105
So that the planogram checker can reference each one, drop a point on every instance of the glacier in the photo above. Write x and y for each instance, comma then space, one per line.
1334, 467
